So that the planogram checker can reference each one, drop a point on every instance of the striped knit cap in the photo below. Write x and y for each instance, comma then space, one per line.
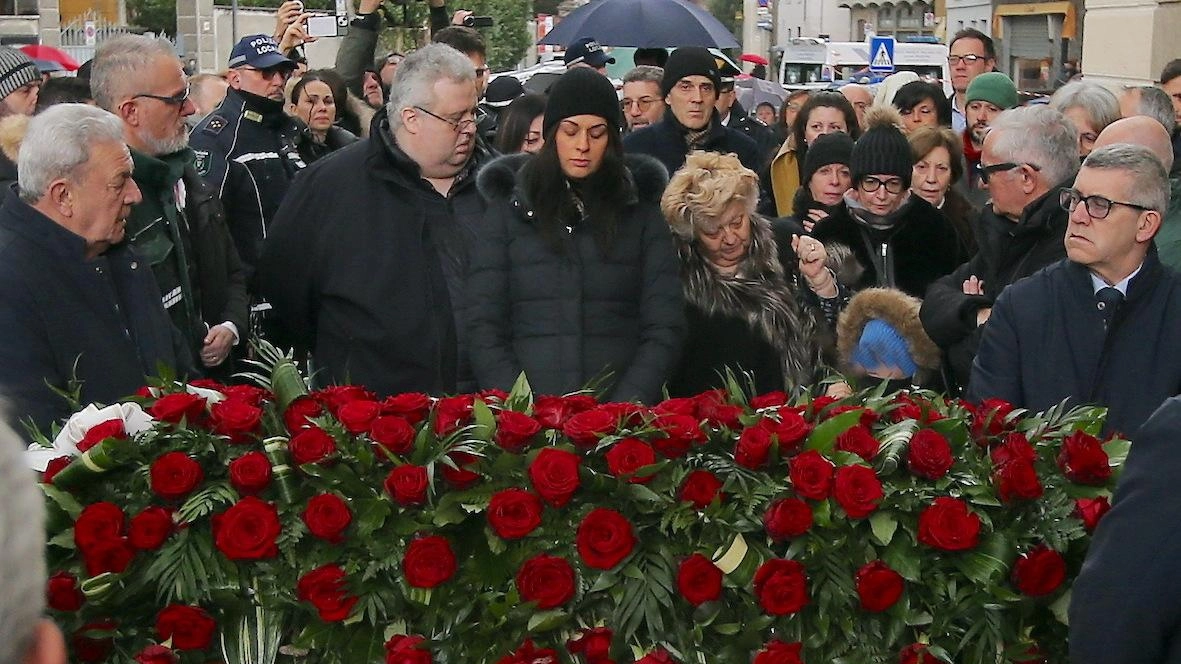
16, 70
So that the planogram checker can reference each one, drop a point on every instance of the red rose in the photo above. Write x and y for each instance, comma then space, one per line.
298, 415
207, 384
62, 592
411, 406
787, 518
428, 561
699, 580
917, 653
356, 416
721, 415
247, 394
778, 652
701, 487
948, 525
110, 555
857, 490
658, 656
250, 473
392, 434
586, 428
236, 419
1090, 510
156, 654
769, 400
989, 418
781, 587
189, 627
552, 412
858, 440
98, 522
1083, 460
174, 475
177, 407
453, 412
1039, 571
676, 406
790, 431
593, 644
325, 589
868, 417
604, 538
554, 474
681, 432
528, 654
878, 586
312, 445
403, 649
819, 404
93, 641
626, 414
547, 580
461, 476
247, 530
811, 475
514, 431
336, 397
514, 513
629, 455
492, 395
1017, 480
407, 485
1015, 447
911, 408
754, 446
150, 528
929, 455
327, 516
54, 467
100, 432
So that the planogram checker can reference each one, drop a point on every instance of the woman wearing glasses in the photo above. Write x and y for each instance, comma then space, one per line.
892, 237
574, 279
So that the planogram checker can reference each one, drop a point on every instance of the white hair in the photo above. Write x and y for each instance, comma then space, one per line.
58, 142
1038, 135
120, 64
414, 82
1099, 103
22, 550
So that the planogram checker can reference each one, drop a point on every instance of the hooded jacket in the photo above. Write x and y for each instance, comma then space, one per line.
901, 312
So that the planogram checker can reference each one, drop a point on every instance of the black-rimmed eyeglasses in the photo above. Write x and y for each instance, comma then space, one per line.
969, 59
986, 172
1098, 207
870, 184
178, 99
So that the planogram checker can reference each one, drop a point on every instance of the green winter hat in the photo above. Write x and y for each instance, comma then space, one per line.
994, 88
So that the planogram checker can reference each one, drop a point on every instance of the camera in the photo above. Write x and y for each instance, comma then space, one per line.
479, 21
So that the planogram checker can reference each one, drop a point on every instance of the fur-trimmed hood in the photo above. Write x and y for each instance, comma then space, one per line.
892, 306
499, 179
12, 133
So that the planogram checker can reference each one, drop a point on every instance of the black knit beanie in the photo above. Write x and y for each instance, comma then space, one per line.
582, 91
882, 149
690, 61
835, 148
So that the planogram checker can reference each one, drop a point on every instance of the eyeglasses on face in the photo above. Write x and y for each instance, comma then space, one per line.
178, 99
986, 172
969, 59
460, 125
870, 184
1098, 207
272, 72
643, 103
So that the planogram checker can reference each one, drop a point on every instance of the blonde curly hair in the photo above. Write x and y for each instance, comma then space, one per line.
699, 193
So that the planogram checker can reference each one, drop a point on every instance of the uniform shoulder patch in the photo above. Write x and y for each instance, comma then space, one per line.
201, 162
215, 124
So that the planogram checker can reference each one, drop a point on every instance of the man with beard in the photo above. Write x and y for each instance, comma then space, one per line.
178, 228
247, 149
987, 97
642, 102
692, 79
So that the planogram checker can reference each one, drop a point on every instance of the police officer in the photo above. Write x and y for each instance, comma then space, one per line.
247, 149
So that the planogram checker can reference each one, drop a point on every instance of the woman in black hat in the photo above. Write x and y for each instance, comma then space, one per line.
825, 179
574, 279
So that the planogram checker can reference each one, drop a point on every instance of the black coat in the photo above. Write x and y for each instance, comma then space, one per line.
364, 267
64, 316
756, 131
1123, 605
918, 249
1007, 251
1045, 342
566, 318
665, 140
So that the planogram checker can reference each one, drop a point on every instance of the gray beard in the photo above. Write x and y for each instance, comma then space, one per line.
158, 147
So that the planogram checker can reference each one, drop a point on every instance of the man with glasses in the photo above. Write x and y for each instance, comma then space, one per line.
179, 227
1101, 327
642, 103
247, 149
365, 263
970, 54
1029, 154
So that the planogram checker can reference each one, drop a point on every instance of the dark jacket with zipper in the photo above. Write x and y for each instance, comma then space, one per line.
365, 268
1007, 251
565, 318
665, 141
1045, 342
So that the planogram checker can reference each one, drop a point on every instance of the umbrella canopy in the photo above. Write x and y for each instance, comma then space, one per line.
754, 59
642, 24
754, 91
43, 52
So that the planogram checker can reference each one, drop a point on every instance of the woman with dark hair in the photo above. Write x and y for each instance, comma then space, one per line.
314, 101
520, 125
352, 114
938, 163
574, 279
824, 113
922, 104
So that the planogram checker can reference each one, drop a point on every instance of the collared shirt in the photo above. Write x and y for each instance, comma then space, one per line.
959, 121
1098, 284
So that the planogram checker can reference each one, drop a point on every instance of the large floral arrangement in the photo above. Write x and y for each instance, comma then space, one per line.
245, 524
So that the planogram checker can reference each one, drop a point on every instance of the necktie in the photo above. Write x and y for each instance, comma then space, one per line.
1108, 301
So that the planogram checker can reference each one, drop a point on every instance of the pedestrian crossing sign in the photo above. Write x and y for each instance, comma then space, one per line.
881, 55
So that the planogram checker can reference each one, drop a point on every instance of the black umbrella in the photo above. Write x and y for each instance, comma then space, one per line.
642, 24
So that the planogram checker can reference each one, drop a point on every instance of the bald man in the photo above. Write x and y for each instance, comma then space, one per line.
1145, 131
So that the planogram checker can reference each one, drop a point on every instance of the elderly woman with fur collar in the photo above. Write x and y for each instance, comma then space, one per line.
574, 278
892, 238
752, 304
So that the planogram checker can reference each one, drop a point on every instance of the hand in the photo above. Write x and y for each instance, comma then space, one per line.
460, 16
814, 217
982, 316
839, 390
288, 13
217, 345
973, 286
812, 265
296, 34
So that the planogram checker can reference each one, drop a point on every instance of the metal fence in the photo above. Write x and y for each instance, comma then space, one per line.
82, 35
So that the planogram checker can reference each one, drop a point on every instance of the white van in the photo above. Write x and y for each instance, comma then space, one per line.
809, 60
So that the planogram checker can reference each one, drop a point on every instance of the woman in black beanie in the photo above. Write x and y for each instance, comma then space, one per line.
574, 278
825, 179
